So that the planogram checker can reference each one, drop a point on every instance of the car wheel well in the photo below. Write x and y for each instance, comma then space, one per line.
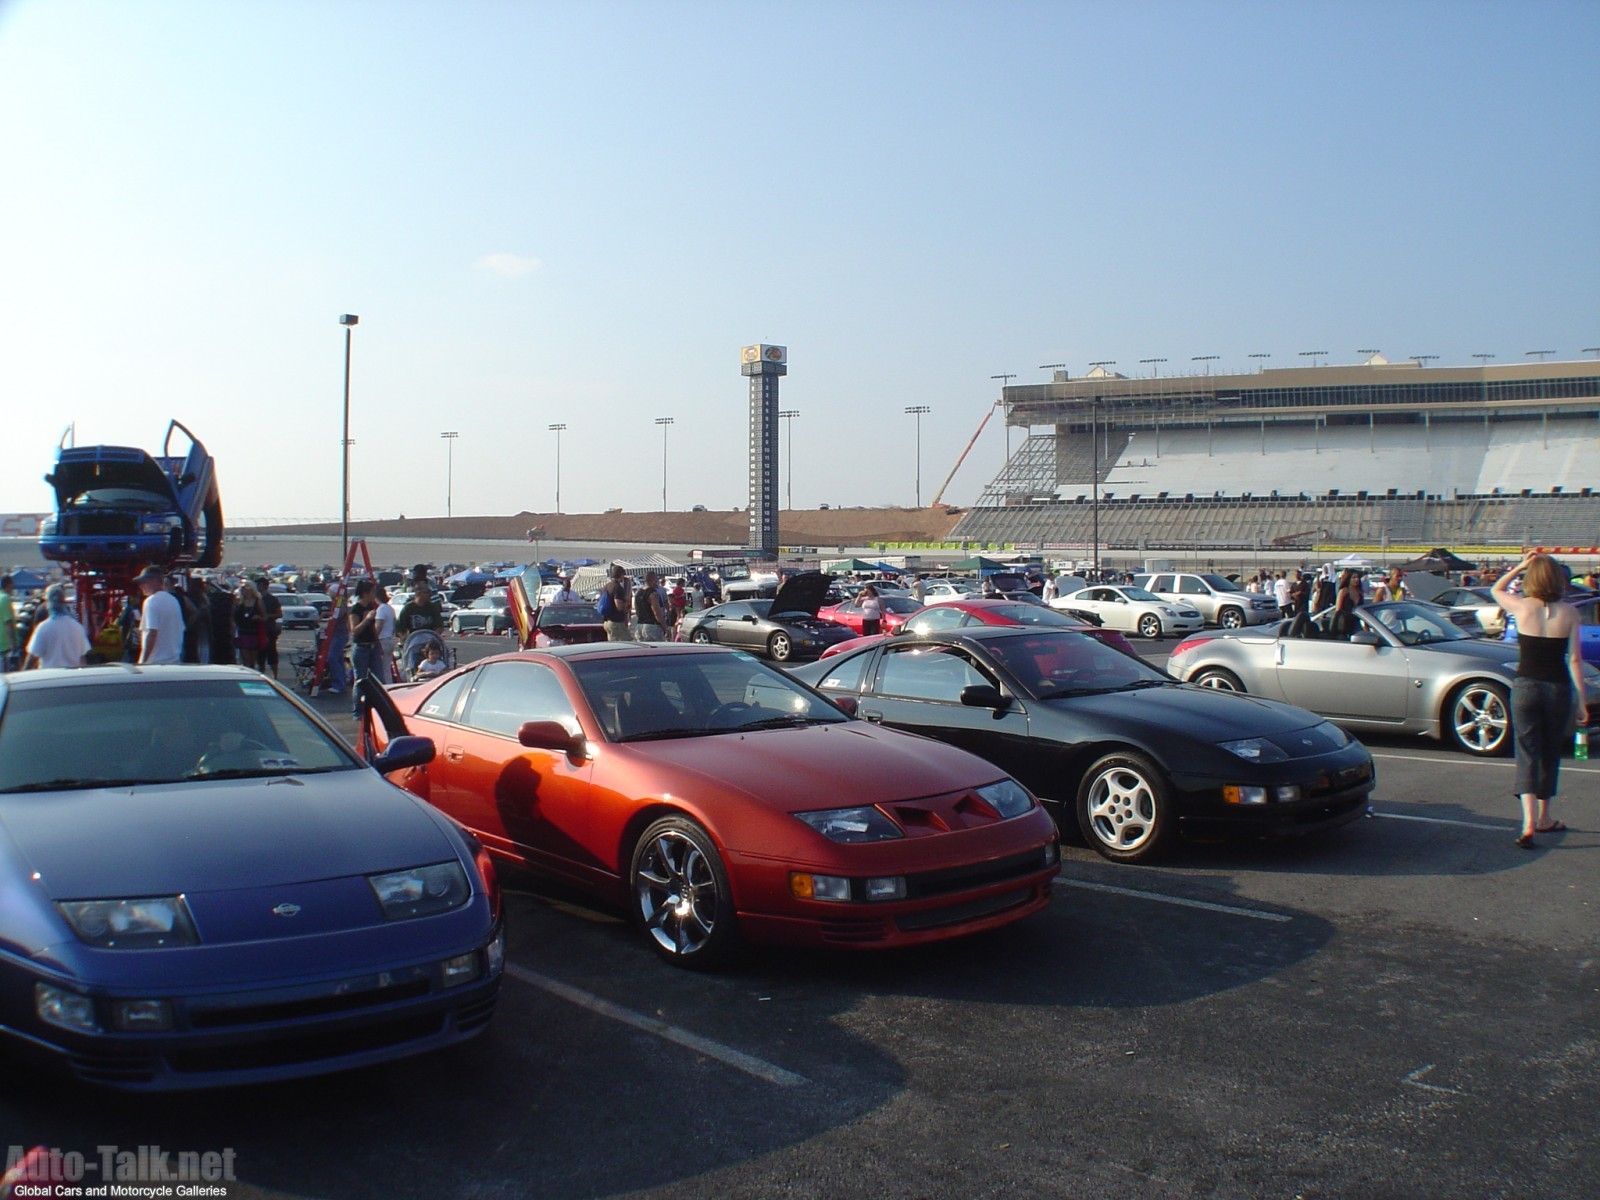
648, 816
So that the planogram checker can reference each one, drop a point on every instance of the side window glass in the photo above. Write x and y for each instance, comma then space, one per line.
441, 706
926, 674
939, 616
509, 693
847, 675
1192, 587
1161, 583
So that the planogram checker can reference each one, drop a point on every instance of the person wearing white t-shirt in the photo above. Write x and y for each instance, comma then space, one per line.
58, 640
382, 668
160, 623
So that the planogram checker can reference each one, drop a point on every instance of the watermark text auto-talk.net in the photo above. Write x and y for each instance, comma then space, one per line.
117, 1171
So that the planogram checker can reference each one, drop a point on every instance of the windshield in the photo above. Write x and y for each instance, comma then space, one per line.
569, 614
121, 498
1138, 593
1220, 584
1413, 624
1034, 614
121, 733
1054, 664
899, 604
652, 697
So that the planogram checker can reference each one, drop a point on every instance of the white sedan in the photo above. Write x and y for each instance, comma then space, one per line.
1133, 610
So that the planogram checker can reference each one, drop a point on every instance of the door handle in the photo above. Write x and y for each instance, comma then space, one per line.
453, 753
872, 714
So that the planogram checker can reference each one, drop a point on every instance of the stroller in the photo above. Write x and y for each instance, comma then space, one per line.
415, 649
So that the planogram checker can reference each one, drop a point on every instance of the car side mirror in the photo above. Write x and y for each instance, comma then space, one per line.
1366, 637
848, 705
984, 695
550, 735
404, 751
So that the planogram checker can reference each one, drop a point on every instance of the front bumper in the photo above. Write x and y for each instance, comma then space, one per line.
1335, 793
265, 1033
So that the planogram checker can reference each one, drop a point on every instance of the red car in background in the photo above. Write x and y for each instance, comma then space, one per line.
897, 608
719, 800
954, 614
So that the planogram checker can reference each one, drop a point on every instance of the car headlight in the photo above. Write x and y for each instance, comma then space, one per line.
1007, 797
1168, 612
421, 891
69, 1010
865, 824
1255, 750
153, 526
1333, 733
146, 923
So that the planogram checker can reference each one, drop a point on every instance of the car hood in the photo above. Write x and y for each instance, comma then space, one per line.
821, 766
1172, 708
230, 834
1501, 653
88, 468
801, 594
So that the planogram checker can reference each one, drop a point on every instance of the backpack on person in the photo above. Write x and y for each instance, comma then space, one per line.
607, 605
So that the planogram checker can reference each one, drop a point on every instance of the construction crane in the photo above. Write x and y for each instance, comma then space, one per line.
939, 495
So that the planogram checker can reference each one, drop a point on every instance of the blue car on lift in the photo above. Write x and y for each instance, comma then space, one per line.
202, 885
119, 505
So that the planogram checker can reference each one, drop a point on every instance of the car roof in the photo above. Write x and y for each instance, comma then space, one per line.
27, 681
612, 650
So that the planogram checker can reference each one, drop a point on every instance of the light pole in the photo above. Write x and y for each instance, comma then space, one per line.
1483, 377
1261, 357
1422, 359
1004, 423
1153, 364
1594, 350
663, 422
449, 437
348, 320
557, 429
916, 410
1369, 352
786, 415
1313, 355
1208, 359
1542, 354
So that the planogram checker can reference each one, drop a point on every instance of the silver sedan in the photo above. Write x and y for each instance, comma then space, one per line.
1407, 669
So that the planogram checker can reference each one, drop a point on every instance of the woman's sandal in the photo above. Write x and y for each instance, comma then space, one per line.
1526, 841
1553, 827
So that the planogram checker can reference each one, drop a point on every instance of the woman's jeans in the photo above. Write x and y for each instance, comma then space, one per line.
1541, 714
363, 661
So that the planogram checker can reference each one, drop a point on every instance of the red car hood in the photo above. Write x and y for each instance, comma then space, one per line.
818, 766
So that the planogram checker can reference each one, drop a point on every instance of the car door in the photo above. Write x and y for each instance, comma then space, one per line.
531, 803
1340, 678
738, 625
917, 688
1113, 608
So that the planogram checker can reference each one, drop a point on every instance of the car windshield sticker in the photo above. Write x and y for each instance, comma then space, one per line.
280, 764
743, 655
256, 689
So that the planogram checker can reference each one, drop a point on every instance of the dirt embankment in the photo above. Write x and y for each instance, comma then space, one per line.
801, 527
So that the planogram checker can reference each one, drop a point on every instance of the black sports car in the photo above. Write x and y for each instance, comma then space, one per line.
1106, 741
784, 628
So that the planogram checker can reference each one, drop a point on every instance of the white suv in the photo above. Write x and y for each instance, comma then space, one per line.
1220, 601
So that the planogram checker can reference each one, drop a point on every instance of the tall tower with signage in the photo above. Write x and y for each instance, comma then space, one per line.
764, 365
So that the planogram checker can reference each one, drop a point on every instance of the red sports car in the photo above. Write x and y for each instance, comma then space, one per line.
716, 798
896, 607
953, 614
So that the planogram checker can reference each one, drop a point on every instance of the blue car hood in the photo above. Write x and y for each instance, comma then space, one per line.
219, 836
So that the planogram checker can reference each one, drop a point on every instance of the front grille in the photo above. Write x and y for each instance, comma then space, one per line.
89, 524
1339, 781
965, 879
277, 1052
316, 1006
954, 914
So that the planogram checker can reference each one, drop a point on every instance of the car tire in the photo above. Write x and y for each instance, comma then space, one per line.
1477, 718
781, 647
1219, 679
1125, 808
1150, 626
1231, 618
680, 896
701, 636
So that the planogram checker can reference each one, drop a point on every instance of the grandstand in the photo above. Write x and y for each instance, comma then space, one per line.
1377, 455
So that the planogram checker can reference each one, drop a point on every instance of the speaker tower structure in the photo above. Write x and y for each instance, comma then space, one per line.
764, 366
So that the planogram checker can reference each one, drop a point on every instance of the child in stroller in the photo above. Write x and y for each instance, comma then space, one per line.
415, 651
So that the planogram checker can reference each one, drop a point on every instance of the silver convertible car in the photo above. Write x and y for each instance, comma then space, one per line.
1407, 669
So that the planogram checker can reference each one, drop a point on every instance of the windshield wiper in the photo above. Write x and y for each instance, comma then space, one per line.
788, 719
1073, 691
656, 735
250, 772
64, 785
1143, 683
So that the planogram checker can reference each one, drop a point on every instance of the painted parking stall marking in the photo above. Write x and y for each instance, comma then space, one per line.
1206, 905
727, 1055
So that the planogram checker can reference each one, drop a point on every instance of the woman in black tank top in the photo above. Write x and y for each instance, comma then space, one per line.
1548, 691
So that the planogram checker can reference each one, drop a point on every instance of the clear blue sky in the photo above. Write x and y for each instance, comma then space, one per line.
578, 212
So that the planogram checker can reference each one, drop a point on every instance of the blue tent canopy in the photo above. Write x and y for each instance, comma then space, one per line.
470, 575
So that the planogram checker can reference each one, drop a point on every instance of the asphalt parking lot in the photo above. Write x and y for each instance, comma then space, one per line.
1407, 1006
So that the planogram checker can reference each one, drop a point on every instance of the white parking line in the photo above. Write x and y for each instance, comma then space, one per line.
1159, 898
1505, 827
736, 1059
1566, 767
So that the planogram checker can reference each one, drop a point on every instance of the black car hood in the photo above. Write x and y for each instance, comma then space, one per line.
801, 594
1194, 711
91, 468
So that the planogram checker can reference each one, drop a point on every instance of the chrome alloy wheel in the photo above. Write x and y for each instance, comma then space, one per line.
677, 892
1121, 808
1480, 718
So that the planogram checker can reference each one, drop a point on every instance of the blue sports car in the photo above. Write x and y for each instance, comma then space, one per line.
1588, 607
117, 504
201, 884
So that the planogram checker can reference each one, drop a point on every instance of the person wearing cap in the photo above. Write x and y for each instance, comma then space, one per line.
160, 621
58, 640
